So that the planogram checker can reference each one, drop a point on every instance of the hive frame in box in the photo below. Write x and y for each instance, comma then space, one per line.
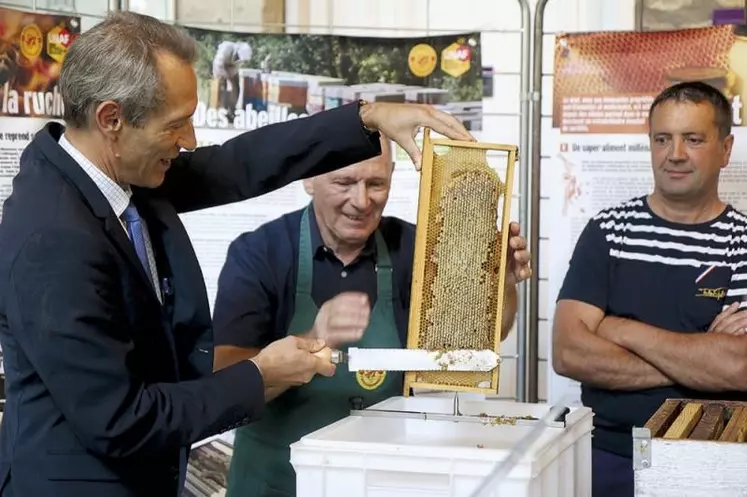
431, 184
669, 462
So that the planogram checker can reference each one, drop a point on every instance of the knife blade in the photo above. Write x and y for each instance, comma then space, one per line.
380, 359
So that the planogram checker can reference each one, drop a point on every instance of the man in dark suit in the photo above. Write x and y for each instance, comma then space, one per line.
104, 319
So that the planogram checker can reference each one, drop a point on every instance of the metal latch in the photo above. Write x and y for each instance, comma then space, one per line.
641, 448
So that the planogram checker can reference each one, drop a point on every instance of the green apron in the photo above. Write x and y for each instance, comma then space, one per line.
260, 466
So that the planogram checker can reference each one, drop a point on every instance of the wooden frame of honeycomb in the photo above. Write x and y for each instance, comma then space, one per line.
712, 420
461, 244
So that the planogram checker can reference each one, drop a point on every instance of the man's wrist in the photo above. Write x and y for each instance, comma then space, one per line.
612, 328
604, 328
364, 113
259, 368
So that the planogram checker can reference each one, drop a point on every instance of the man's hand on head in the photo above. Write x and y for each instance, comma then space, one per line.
402, 122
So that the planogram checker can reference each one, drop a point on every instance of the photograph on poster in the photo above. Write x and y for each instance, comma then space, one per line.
32, 48
207, 470
251, 80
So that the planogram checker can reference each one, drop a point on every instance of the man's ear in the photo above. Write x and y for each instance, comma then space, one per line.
728, 144
109, 118
308, 185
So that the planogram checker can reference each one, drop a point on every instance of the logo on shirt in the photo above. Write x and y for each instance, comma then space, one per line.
712, 293
709, 293
370, 380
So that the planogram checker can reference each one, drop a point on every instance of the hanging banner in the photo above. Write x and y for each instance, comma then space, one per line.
246, 81
251, 80
32, 48
604, 84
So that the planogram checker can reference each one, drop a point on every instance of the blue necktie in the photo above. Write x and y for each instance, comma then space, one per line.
135, 229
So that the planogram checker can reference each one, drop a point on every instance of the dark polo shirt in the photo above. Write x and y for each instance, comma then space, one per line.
257, 284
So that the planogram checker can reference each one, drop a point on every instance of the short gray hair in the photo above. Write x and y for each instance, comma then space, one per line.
116, 60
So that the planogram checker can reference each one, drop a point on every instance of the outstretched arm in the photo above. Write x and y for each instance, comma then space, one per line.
268, 158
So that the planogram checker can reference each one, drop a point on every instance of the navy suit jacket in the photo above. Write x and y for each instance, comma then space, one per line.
105, 386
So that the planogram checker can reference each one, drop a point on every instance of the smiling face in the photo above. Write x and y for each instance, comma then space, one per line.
349, 202
687, 150
145, 153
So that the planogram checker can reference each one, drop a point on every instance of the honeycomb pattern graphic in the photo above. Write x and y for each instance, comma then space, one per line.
625, 63
461, 269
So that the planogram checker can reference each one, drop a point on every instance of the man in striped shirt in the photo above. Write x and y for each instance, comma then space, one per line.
650, 306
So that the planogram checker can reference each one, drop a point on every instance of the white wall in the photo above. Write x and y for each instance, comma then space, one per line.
92, 11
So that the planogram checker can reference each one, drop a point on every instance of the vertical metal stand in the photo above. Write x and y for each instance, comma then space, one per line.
533, 328
523, 315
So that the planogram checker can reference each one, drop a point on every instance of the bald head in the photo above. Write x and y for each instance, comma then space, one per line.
349, 202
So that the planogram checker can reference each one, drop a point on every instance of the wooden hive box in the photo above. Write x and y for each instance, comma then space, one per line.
459, 265
692, 448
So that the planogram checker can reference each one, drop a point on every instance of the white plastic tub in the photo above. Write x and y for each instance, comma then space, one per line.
363, 456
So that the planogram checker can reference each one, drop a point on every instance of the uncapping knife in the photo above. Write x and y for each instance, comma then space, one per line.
363, 359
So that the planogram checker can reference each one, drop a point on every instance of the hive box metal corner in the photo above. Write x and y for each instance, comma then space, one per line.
362, 456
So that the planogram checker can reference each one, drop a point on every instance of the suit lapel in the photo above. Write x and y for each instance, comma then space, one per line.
188, 313
48, 138
164, 223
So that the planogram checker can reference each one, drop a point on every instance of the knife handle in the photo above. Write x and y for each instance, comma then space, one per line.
331, 355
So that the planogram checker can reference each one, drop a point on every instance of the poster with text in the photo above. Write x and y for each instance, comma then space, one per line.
604, 85
246, 81
32, 48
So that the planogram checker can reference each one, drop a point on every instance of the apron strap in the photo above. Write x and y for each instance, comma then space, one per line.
305, 262
305, 257
383, 269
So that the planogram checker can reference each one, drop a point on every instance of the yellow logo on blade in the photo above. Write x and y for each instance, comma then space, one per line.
31, 41
455, 59
422, 60
370, 380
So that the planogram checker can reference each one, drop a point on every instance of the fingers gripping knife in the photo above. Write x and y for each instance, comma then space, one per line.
415, 360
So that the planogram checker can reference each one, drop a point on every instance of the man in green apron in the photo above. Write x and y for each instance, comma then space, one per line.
276, 279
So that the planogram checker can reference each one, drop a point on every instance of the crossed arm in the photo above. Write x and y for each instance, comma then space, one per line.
701, 361
623, 354
579, 352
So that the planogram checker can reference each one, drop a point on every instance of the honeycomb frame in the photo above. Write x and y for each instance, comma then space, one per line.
438, 173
